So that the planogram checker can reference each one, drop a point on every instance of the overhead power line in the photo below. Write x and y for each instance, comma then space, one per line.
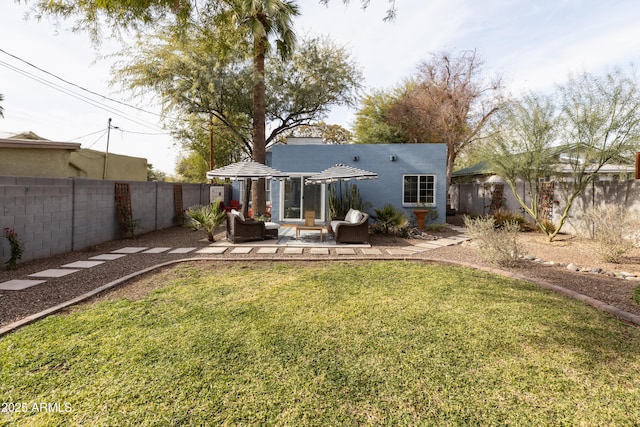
78, 86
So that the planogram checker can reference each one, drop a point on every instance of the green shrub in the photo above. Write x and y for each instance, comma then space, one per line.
636, 295
16, 246
503, 216
388, 218
205, 217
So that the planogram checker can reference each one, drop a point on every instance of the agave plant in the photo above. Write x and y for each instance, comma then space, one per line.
205, 217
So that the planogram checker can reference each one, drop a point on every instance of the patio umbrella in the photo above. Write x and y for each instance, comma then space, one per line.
340, 172
246, 170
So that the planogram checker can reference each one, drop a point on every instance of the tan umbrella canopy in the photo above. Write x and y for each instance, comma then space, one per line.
246, 170
340, 172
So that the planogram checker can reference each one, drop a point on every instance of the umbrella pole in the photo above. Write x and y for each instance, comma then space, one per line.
245, 198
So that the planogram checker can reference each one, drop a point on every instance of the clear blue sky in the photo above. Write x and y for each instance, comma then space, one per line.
533, 44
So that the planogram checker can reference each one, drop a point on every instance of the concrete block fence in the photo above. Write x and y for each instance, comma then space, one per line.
57, 215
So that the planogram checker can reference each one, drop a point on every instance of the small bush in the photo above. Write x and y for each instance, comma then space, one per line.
498, 245
636, 295
205, 217
388, 219
436, 226
503, 216
612, 228
549, 225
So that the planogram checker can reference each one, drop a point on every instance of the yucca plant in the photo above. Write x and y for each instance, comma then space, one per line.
205, 217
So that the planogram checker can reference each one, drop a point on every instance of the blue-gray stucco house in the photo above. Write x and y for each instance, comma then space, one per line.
409, 175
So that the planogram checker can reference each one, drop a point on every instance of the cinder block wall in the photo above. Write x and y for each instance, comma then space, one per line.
53, 216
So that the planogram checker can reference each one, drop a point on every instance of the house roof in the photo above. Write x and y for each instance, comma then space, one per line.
42, 144
481, 168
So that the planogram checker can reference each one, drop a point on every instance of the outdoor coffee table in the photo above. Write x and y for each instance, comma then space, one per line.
309, 228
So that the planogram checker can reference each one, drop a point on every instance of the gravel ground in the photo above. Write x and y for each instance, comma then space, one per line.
15, 305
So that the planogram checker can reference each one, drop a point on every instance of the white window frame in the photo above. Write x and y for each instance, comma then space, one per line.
418, 203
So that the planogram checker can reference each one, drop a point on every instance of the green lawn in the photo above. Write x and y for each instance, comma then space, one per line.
369, 343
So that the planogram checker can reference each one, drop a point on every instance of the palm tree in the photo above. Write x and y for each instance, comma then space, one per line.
264, 19
1, 109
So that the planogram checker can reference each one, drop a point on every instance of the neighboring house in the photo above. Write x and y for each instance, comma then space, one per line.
28, 154
477, 190
37, 158
404, 172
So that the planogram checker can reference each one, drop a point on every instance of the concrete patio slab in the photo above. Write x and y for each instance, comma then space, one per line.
18, 285
428, 245
319, 251
446, 242
182, 250
83, 264
267, 250
242, 250
371, 251
293, 251
107, 257
394, 251
212, 250
54, 272
156, 250
129, 250
345, 251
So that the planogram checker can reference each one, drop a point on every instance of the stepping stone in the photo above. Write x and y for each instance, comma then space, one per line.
293, 251
212, 250
242, 250
129, 250
393, 251
54, 272
345, 251
319, 251
428, 245
268, 250
445, 242
371, 251
107, 257
156, 250
83, 264
18, 285
182, 250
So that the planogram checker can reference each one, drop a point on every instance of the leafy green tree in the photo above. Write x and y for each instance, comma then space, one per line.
598, 122
330, 134
523, 148
371, 125
154, 174
206, 88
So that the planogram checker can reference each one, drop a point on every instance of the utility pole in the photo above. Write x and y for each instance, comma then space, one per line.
106, 153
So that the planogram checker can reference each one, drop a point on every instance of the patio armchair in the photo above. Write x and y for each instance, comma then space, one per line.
353, 228
240, 229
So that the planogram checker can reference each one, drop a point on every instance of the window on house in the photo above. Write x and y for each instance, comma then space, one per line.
418, 190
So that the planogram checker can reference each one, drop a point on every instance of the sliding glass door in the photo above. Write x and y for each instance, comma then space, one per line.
299, 197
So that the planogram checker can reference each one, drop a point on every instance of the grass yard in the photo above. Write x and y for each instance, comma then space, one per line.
368, 343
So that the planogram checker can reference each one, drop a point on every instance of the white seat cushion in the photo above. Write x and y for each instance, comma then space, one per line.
334, 224
271, 225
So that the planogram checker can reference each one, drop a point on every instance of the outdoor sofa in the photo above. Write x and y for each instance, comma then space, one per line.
353, 228
241, 229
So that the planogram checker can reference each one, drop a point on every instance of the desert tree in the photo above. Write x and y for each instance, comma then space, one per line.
449, 101
523, 148
592, 121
